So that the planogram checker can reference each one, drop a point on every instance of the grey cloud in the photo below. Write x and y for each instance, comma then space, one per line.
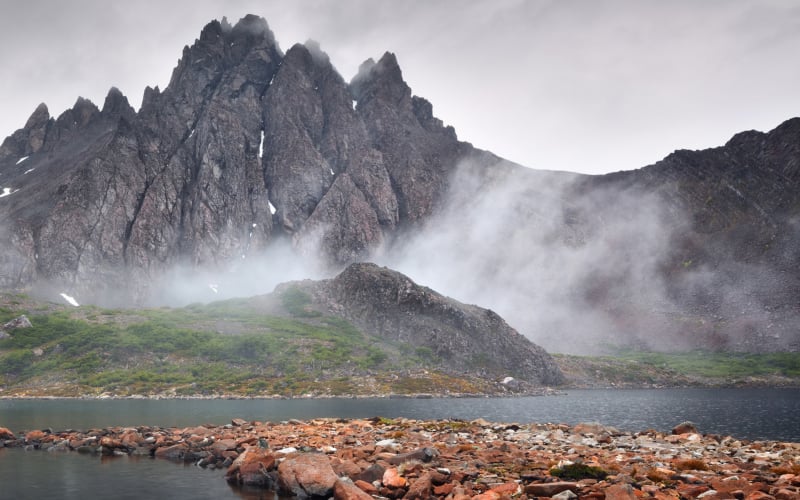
581, 86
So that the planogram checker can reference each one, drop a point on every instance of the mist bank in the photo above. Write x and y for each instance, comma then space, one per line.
584, 264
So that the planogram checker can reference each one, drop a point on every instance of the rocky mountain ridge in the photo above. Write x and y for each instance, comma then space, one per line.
246, 145
249, 149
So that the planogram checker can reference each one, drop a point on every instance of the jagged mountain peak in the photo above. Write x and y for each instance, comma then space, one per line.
382, 79
116, 104
39, 116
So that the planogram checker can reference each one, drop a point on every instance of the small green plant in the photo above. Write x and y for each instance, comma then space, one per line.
578, 471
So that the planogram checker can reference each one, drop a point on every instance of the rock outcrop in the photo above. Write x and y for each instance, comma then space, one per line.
388, 305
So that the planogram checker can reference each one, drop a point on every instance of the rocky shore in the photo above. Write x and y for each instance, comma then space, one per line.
453, 459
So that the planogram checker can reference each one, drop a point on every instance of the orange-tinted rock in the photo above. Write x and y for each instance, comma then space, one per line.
393, 479
620, 492
489, 495
506, 488
366, 487
685, 428
223, 445
420, 489
6, 434
345, 490
345, 468
759, 495
550, 489
34, 436
786, 494
254, 474
443, 489
174, 452
306, 475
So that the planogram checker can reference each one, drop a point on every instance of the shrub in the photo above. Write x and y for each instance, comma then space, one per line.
578, 471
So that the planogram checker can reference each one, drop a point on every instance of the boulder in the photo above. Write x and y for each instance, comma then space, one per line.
621, 492
344, 489
685, 428
175, 452
420, 489
306, 475
421, 455
16, 323
6, 434
393, 479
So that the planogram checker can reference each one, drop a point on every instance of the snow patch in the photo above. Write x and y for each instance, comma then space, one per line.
255, 225
29, 170
69, 299
354, 103
261, 146
21, 160
214, 287
507, 380
331, 171
272, 208
191, 133
7, 191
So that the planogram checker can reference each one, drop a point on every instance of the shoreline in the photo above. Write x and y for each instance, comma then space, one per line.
454, 459
541, 392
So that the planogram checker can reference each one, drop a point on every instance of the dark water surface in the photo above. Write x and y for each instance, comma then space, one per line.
744, 413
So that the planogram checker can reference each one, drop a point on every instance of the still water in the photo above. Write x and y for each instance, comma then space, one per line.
744, 413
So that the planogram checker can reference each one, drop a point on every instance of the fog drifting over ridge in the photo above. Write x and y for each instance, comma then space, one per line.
546, 261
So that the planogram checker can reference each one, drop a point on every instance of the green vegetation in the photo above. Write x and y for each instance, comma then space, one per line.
637, 368
226, 347
721, 364
223, 347
578, 471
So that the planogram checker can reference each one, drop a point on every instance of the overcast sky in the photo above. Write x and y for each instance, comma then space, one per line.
584, 86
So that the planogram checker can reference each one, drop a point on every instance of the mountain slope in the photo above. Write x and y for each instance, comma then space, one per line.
301, 339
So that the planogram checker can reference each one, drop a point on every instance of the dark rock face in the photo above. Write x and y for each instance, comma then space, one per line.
245, 145
389, 305
735, 247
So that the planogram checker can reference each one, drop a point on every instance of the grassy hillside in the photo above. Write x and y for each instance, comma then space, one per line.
228, 347
682, 369
279, 345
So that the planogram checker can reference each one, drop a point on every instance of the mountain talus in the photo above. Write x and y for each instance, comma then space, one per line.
249, 148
